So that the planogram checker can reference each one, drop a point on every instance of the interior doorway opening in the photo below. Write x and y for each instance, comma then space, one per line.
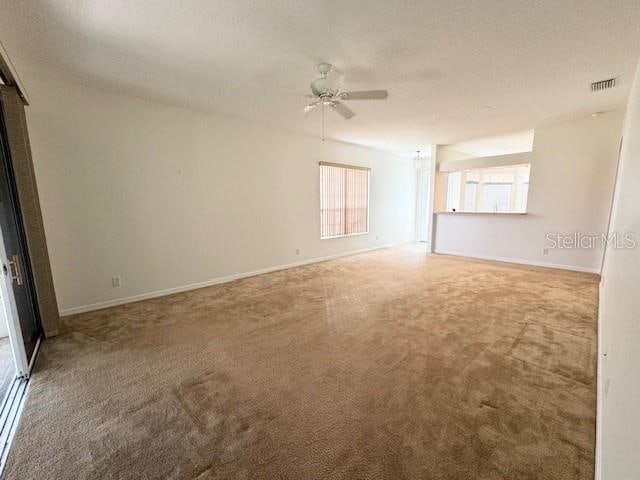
425, 175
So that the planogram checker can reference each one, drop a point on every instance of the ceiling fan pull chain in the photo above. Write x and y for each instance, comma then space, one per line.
323, 121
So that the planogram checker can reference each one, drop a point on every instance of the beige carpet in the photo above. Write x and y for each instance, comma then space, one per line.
384, 365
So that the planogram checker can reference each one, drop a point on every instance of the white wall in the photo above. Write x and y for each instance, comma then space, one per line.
166, 196
572, 176
619, 318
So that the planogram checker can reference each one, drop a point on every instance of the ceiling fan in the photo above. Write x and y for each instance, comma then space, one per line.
326, 92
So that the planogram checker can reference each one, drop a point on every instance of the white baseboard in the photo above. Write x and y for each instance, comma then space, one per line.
214, 281
559, 266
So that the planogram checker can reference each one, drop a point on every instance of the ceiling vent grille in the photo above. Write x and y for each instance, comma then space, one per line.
603, 84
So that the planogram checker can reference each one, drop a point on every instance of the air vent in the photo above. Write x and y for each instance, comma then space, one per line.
603, 84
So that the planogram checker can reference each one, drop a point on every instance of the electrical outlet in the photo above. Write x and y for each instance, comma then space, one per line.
115, 282
297, 251
545, 251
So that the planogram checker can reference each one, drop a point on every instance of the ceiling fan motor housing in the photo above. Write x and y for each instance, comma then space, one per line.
324, 87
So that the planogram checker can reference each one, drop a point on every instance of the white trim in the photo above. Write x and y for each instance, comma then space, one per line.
600, 358
214, 281
433, 222
432, 201
346, 235
559, 266
32, 361
11, 73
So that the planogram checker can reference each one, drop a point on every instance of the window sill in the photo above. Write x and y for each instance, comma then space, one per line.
480, 213
343, 236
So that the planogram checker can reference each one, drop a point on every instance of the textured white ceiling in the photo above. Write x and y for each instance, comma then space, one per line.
444, 62
514, 142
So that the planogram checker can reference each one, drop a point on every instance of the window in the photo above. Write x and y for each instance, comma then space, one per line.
497, 196
489, 190
471, 188
470, 195
453, 191
344, 200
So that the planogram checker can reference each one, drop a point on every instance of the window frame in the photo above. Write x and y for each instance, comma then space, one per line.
344, 166
457, 202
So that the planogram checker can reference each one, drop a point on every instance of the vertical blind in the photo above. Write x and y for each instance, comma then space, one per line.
344, 200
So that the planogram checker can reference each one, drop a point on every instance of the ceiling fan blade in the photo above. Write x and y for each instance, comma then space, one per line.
311, 106
365, 95
342, 109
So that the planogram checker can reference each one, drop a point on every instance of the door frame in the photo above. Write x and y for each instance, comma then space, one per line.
31, 234
23, 362
425, 186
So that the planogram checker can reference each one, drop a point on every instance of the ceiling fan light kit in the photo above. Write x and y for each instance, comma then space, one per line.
326, 93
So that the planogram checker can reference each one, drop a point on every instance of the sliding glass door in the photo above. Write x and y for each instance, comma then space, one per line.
16, 267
